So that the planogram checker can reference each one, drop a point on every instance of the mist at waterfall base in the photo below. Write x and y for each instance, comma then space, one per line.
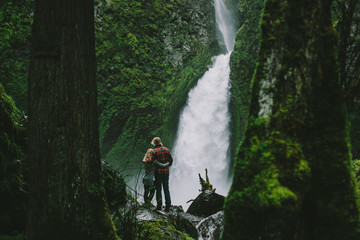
203, 136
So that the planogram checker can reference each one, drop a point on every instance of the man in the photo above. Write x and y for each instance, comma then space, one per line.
162, 155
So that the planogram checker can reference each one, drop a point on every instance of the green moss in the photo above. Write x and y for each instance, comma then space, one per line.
160, 229
13, 237
269, 176
242, 64
15, 24
12, 167
356, 169
354, 118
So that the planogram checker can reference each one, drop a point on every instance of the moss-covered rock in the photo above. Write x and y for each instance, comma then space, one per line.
160, 229
135, 221
182, 222
242, 63
115, 186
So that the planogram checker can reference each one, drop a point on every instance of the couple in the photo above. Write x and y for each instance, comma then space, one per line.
157, 161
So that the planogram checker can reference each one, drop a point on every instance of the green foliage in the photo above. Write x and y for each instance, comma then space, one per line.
15, 29
356, 168
243, 62
14, 32
138, 77
129, 96
141, 87
354, 119
12, 155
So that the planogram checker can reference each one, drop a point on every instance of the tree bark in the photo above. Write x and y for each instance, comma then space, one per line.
293, 177
66, 198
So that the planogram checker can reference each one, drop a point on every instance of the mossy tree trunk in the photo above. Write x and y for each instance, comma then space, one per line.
66, 198
347, 16
293, 177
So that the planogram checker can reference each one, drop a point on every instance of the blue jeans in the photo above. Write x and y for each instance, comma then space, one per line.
162, 180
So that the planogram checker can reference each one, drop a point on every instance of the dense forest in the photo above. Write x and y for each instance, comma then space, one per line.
86, 85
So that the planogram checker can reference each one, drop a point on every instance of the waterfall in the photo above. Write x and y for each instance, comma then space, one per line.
225, 24
203, 134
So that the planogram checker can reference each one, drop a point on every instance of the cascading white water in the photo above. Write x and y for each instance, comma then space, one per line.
225, 23
203, 133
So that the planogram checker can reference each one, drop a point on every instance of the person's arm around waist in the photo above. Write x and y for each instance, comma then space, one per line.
162, 165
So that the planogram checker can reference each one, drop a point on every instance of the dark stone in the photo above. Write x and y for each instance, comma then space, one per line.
206, 204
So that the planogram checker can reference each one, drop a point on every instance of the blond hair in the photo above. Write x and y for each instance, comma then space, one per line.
147, 155
156, 141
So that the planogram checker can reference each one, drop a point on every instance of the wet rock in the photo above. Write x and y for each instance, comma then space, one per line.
185, 223
176, 209
175, 224
211, 227
147, 214
206, 204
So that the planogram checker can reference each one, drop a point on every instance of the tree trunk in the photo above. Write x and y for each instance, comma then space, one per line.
66, 198
293, 177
